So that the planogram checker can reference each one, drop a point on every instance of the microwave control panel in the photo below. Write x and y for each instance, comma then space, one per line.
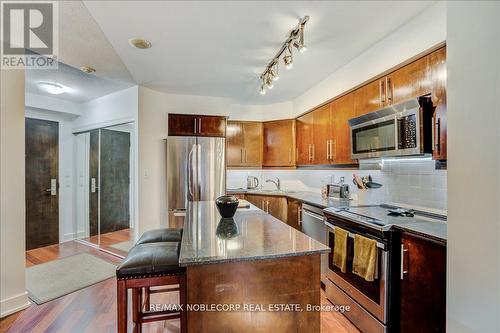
407, 128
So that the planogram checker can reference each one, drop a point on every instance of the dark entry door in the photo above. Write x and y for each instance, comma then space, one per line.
42, 188
115, 181
93, 182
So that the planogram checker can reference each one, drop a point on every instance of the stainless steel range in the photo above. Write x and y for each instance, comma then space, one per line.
372, 304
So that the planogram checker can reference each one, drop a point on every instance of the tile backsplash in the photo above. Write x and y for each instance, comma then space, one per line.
411, 181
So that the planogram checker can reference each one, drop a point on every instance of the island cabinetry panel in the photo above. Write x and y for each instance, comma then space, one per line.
257, 282
423, 284
244, 142
279, 143
196, 125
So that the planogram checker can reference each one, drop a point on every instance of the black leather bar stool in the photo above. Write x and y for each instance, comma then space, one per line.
161, 235
150, 265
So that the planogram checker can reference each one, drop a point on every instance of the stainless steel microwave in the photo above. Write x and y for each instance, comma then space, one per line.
397, 130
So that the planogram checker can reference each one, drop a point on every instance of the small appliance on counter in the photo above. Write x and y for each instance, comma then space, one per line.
338, 191
252, 182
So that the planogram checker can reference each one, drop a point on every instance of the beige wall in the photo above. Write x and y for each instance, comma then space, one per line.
473, 272
13, 295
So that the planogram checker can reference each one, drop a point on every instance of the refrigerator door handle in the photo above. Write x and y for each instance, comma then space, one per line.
198, 171
190, 172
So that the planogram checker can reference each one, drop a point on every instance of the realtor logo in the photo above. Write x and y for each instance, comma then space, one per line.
29, 34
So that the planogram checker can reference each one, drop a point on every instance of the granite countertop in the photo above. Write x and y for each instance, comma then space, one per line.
252, 235
419, 225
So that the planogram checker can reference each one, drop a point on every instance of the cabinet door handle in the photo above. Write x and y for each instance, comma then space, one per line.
313, 152
403, 252
438, 135
199, 125
381, 92
389, 88
334, 150
195, 125
241, 155
309, 152
299, 212
327, 150
263, 207
267, 206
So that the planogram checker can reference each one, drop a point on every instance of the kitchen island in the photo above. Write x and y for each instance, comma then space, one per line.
252, 273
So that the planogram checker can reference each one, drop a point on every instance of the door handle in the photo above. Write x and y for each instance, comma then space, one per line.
199, 125
53, 187
327, 150
438, 135
403, 252
93, 186
389, 88
333, 150
299, 212
267, 206
381, 91
313, 152
195, 125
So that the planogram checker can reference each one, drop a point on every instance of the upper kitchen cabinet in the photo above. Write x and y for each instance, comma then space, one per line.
322, 135
437, 67
340, 145
279, 143
305, 139
244, 142
369, 97
408, 82
194, 125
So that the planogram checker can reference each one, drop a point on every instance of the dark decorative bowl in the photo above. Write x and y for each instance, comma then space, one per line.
226, 228
227, 205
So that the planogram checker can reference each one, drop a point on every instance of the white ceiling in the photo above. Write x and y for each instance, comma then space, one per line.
220, 48
81, 87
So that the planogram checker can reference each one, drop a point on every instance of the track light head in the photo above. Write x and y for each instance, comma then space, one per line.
287, 59
262, 89
269, 82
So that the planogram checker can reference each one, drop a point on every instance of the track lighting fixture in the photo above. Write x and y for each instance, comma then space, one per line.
295, 39
287, 59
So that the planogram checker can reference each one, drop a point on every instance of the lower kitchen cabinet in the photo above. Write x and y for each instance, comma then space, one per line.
423, 285
294, 213
274, 205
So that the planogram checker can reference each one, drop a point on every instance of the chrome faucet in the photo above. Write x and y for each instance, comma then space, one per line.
275, 182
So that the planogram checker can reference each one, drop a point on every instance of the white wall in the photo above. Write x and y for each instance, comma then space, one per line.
421, 33
53, 104
261, 112
154, 108
473, 86
13, 296
116, 108
66, 179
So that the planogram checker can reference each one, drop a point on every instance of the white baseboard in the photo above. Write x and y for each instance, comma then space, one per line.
14, 304
72, 236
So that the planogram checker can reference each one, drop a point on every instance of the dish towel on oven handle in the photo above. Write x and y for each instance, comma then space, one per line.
365, 258
340, 249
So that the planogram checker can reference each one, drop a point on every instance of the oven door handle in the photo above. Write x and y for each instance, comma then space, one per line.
313, 215
351, 235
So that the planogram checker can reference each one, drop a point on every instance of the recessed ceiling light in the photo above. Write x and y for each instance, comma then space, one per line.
139, 43
52, 88
87, 69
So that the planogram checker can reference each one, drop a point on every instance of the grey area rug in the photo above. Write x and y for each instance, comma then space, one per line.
123, 246
60, 277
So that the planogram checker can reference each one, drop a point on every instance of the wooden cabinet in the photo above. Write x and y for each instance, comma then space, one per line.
244, 144
322, 134
194, 125
273, 205
305, 139
437, 67
369, 97
340, 144
279, 143
423, 285
408, 82
294, 213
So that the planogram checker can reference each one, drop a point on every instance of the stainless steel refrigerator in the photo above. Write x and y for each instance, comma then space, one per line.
196, 171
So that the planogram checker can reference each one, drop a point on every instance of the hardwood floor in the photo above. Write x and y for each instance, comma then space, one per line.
93, 309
